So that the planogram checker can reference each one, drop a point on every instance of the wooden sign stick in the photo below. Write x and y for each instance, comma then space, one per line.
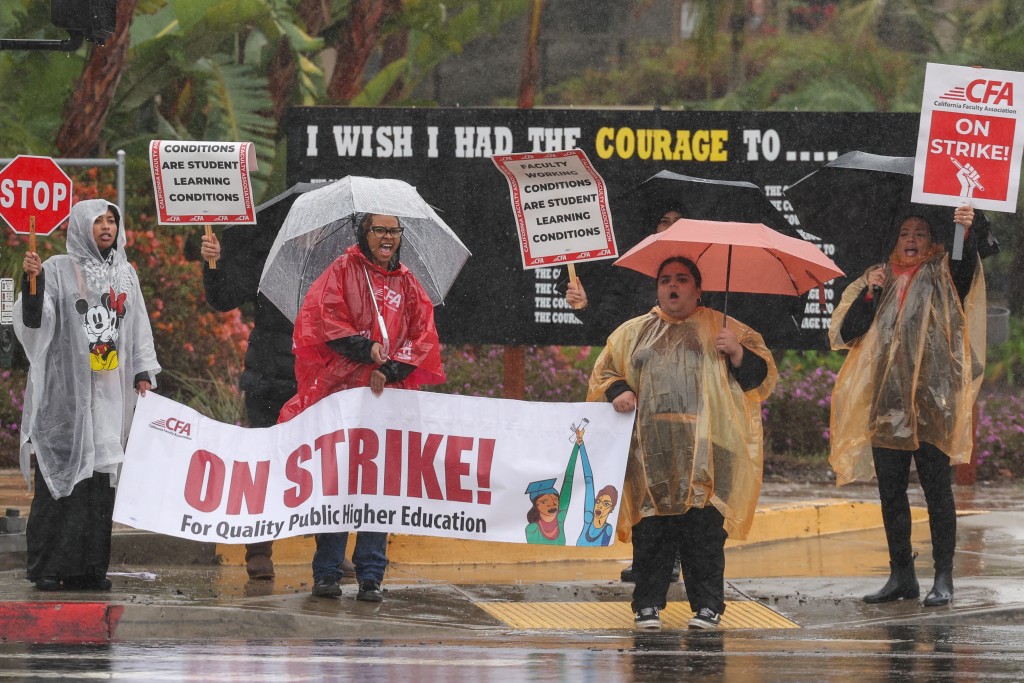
32, 247
212, 263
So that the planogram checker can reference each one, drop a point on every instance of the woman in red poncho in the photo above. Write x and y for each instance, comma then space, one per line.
366, 321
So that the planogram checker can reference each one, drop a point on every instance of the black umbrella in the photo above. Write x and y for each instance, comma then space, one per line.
856, 202
636, 214
705, 199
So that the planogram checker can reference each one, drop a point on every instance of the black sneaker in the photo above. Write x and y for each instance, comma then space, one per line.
706, 618
648, 617
326, 588
369, 591
47, 583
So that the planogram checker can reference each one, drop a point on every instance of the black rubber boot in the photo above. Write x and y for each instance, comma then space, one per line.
942, 591
902, 584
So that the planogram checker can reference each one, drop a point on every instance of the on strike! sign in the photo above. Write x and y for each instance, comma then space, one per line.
561, 207
34, 187
971, 138
408, 461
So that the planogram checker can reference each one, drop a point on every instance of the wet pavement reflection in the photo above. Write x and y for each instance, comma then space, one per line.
942, 652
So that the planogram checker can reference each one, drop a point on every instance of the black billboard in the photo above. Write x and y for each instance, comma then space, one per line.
445, 154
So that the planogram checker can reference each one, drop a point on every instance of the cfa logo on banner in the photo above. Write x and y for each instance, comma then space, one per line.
174, 426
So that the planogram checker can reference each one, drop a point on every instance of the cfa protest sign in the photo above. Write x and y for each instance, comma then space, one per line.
561, 207
970, 138
202, 182
407, 462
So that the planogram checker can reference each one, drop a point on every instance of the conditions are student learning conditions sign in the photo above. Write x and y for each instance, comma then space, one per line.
561, 207
202, 182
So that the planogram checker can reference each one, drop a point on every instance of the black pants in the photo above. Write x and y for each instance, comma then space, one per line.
69, 538
262, 411
698, 538
935, 473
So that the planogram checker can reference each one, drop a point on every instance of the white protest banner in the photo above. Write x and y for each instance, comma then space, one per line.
561, 207
202, 182
407, 462
970, 141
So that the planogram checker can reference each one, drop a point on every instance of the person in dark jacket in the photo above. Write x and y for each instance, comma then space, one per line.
268, 379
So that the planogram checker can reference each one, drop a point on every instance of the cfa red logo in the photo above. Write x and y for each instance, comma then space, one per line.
981, 91
173, 426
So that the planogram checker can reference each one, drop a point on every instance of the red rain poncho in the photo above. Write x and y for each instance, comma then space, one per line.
338, 305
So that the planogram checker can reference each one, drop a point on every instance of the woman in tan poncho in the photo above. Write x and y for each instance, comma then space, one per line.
915, 328
694, 469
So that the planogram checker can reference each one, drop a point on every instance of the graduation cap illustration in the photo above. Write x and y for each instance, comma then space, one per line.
540, 488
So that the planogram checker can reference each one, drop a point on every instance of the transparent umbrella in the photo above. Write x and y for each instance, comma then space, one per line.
319, 227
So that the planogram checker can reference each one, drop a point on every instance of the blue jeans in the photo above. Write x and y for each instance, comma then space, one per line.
370, 556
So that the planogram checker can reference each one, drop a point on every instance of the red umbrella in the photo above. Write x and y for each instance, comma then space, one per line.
738, 257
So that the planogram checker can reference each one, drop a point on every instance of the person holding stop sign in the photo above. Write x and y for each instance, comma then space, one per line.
87, 336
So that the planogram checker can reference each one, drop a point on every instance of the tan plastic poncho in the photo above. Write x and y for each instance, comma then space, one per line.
697, 438
914, 376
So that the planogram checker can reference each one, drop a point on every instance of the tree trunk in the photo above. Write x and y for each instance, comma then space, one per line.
396, 46
283, 76
85, 112
530, 75
737, 31
357, 38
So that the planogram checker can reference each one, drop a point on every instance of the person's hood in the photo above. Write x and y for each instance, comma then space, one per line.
81, 244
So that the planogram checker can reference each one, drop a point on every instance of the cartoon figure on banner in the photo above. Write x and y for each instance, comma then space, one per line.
546, 517
596, 509
101, 323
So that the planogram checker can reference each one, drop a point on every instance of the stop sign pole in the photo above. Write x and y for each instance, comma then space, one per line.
35, 196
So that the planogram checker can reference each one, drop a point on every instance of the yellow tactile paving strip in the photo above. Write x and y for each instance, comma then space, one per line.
582, 616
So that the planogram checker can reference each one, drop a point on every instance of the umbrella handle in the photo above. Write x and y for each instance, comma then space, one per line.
728, 276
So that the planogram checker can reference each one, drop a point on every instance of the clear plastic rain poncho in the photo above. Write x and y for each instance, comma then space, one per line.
94, 339
697, 440
915, 374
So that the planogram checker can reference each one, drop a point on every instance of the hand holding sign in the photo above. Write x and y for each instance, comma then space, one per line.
202, 183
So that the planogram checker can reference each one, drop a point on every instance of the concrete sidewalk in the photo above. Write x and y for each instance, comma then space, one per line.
813, 552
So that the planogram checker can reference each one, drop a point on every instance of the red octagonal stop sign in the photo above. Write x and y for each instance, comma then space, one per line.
34, 186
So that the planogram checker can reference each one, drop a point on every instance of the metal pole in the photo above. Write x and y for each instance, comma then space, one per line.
120, 186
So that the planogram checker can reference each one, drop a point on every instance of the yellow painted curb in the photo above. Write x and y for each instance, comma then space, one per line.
771, 523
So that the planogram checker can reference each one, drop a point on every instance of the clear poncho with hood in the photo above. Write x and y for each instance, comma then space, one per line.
697, 439
94, 339
915, 374
341, 304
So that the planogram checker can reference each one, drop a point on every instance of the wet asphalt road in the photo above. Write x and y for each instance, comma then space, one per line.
962, 652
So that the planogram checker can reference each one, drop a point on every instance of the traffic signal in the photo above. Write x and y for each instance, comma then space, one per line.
96, 19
